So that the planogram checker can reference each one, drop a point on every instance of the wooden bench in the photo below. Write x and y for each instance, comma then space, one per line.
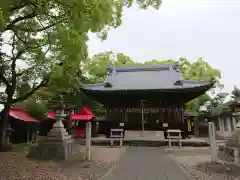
177, 137
116, 135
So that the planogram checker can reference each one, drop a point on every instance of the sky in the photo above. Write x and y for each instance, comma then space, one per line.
181, 28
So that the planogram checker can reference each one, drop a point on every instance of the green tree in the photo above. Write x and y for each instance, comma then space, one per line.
236, 93
42, 39
95, 68
198, 70
217, 100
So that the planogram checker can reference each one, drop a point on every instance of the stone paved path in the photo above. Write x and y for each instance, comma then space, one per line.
146, 163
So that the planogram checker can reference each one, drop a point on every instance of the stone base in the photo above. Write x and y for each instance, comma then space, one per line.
57, 145
54, 150
229, 154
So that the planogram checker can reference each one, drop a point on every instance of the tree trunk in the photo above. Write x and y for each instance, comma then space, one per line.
3, 126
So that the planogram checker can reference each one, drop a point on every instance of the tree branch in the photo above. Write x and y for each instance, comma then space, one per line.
43, 83
63, 4
2, 54
21, 5
31, 92
24, 71
25, 42
18, 19
13, 70
43, 28
2, 102
4, 80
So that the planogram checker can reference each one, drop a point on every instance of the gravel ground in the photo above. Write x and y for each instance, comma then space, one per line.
199, 168
14, 166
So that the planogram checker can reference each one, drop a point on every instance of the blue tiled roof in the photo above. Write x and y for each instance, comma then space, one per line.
145, 77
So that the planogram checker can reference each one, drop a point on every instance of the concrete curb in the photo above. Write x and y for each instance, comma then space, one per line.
109, 172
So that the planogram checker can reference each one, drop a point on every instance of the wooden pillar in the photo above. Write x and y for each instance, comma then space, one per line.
125, 114
182, 109
185, 128
121, 115
163, 114
106, 113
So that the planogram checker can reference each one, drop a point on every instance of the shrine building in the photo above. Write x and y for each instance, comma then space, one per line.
158, 90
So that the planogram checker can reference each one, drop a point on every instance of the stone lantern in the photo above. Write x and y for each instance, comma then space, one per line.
62, 110
58, 144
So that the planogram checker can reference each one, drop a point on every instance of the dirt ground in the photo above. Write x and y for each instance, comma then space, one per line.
15, 166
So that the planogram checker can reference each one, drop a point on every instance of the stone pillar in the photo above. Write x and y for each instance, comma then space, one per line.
88, 140
212, 140
221, 125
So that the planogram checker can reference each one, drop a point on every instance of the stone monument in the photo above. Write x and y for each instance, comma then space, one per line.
58, 144
212, 140
88, 140
230, 152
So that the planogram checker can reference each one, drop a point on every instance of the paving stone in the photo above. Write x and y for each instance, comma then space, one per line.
146, 163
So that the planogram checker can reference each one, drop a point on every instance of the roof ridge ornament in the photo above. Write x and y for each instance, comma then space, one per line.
178, 83
107, 85
111, 72
177, 66
213, 80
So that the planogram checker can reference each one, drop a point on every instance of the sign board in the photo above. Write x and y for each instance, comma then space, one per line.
100, 118
146, 110
165, 125
121, 124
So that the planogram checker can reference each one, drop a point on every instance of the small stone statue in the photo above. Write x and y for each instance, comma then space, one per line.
8, 134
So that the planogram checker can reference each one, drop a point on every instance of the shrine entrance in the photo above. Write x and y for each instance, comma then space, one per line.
153, 118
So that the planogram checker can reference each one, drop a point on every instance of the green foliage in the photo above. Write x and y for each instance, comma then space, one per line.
217, 101
95, 68
236, 93
35, 107
47, 43
48, 38
217, 105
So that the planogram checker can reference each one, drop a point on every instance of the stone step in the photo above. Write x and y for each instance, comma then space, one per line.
151, 143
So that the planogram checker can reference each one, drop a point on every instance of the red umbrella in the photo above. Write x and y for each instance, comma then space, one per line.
21, 115
82, 117
84, 114
85, 110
